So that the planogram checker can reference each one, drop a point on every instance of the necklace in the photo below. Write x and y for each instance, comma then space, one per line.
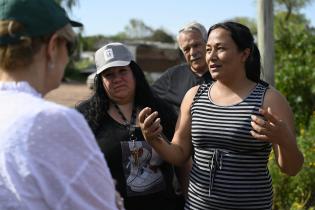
129, 125
135, 151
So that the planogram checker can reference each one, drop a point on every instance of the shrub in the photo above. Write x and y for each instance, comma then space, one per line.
294, 69
297, 192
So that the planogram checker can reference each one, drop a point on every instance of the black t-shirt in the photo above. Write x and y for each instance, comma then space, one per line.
175, 82
141, 186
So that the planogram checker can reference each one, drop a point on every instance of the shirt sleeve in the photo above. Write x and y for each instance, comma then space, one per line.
67, 164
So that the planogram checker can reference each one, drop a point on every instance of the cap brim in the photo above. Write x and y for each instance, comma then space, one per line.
112, 64
75, 23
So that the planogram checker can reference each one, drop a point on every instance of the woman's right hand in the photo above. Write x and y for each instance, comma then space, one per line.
150, 124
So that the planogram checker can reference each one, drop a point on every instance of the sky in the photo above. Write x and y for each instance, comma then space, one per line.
109, 17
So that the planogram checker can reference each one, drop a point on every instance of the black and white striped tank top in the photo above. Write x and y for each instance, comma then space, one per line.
229, 165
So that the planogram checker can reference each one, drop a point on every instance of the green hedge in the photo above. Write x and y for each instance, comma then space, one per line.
297, 192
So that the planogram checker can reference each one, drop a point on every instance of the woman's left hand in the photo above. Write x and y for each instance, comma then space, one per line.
270, 129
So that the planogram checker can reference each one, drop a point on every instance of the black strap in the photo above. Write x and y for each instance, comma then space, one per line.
201, 89
129, 125
264, 83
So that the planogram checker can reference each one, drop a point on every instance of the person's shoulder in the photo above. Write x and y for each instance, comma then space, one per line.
53, 112
54, 108
273, 97
177, 68
170, 75
264, 84
38, 105
192, 91
180, 67
188, 99
190, 94
62, 123
272, 92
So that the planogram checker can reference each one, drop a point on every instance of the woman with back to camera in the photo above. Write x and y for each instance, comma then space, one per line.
232, 124
121, 91
49, 156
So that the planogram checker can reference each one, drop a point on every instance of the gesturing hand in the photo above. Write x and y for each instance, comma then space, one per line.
150, 124
270, 129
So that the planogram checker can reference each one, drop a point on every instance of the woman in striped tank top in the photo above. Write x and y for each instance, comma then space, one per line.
230, 127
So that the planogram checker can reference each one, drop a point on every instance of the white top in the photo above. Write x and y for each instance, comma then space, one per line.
49, 158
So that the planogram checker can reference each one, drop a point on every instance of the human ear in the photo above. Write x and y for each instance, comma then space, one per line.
52, 51
245, 54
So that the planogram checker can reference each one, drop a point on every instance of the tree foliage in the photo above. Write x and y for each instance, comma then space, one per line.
250, 23
137, 29
294, 73
291, 6
295, 79
161, 36
297, 193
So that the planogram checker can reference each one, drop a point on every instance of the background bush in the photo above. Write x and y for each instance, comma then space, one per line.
295, 79
297, 192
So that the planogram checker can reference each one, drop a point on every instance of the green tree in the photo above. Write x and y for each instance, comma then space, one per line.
137, 29
294, 74
291, 6
250, 23
295, 79
297, 193
161, 36
89, 42
70, 69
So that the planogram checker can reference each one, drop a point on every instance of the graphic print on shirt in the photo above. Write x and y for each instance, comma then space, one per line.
141, 168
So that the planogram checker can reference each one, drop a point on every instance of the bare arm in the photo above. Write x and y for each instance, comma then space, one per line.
179, 150
278, 128
183, 175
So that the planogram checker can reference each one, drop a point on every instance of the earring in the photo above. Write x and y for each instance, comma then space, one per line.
51, 65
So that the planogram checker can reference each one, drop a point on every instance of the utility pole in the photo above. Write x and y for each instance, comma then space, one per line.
265, 38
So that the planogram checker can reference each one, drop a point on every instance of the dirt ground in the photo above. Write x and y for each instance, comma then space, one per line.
69, 93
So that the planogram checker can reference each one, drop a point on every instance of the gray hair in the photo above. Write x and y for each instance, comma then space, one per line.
194, 26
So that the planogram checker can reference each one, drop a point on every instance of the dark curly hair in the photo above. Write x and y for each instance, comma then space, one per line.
94, 108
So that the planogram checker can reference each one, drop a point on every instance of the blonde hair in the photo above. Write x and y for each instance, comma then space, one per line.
21, 54
67, 33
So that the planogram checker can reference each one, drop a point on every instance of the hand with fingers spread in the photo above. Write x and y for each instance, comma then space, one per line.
150, 124
269, 127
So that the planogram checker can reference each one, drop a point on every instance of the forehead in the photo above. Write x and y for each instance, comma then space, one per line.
218, 36
116, 68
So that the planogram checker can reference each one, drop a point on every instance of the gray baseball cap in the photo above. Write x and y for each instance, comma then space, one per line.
112, 55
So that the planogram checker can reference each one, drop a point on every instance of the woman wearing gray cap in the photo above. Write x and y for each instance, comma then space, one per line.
121, 91
49, 156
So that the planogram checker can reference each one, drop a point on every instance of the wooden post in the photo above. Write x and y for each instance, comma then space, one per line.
265, 38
